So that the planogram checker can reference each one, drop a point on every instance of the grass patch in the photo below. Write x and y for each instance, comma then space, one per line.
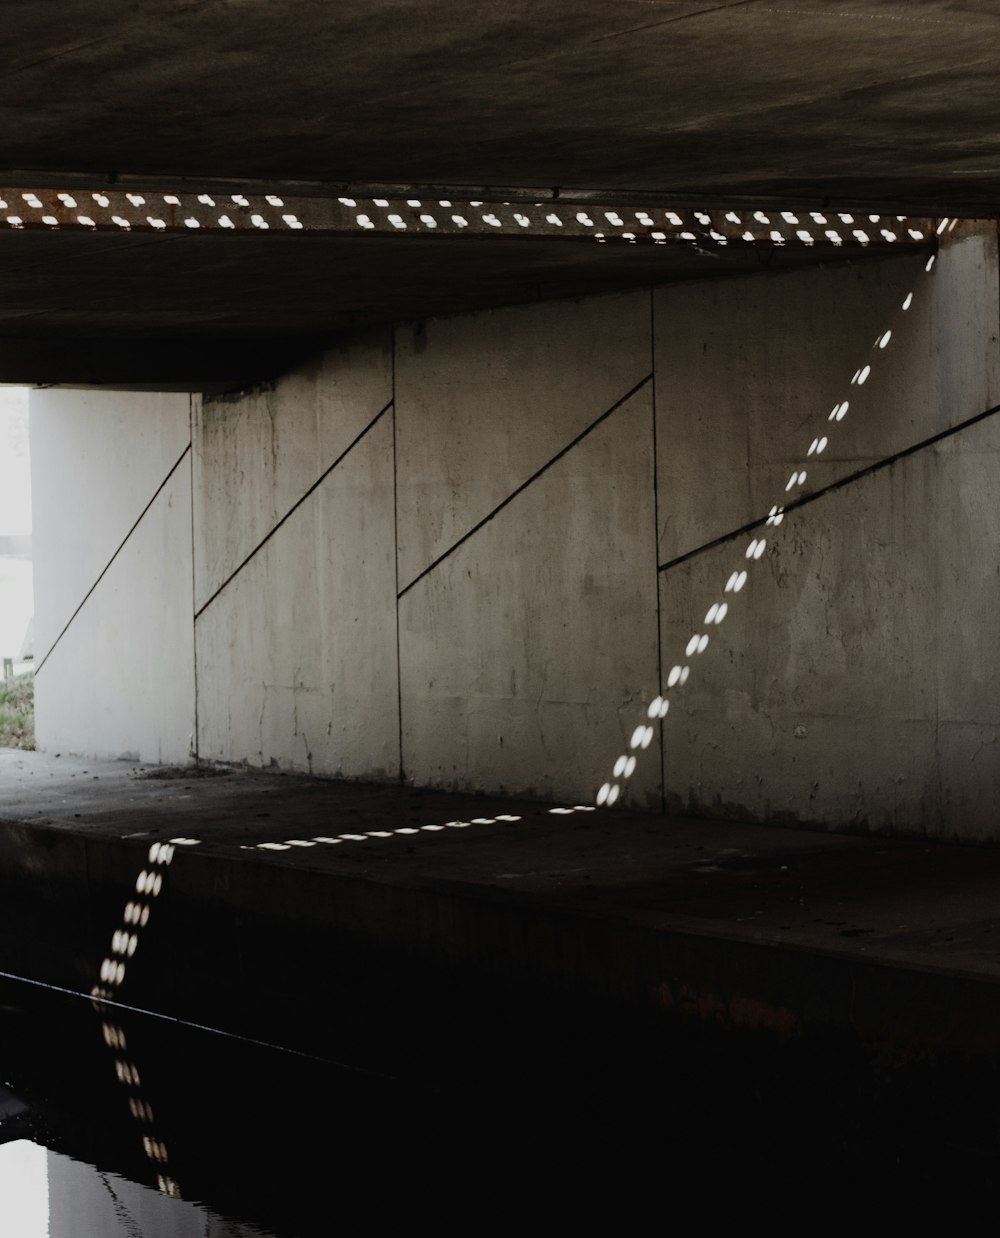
17, 712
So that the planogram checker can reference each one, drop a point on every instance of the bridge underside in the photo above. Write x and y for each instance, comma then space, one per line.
668, 105
208, 292
628, 448
857, 101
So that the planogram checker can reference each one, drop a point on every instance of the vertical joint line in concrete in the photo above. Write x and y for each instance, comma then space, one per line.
121, 546
395, 552
656, 544
194, 578
294, 508
525, 484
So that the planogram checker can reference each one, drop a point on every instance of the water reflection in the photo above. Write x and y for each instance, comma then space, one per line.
266, 1141
24, 1188
506, 1090
237, 1116
124, 943
46, 1194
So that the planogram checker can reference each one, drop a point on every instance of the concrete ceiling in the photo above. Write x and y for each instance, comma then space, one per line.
823, 102
211, 313
854, 99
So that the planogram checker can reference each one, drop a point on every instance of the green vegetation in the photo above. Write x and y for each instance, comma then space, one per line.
17, 712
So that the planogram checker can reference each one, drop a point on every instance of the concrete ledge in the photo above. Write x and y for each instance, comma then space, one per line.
882, 946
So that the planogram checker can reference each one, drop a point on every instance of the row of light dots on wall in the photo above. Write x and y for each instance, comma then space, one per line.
137, 200
624, 767
782, 227
614, 218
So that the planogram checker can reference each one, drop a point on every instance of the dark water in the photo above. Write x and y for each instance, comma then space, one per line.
118, 1122
115, 1122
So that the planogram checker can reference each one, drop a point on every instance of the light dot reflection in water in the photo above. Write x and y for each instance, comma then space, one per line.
677, 676
124, 943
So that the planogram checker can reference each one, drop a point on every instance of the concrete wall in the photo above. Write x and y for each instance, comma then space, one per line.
436, 550
114, 651
523, 651
297, 653
16, 595
857, 683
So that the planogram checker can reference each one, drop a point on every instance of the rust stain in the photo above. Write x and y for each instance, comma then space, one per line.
756, 1015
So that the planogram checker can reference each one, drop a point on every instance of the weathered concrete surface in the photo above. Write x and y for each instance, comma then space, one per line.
216, 312
852, 685
297, 656
121, 682
97, 459
860, 99
523, 655
886, 945
16, 600
749, 370
485, 400
689, 102
121, 679
15, 497
256, 454
855, 682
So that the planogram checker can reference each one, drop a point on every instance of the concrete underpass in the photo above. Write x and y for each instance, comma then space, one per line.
515, 541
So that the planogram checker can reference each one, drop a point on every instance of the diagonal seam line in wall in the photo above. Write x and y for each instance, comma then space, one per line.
525, 484
849, 480
294, 508
121, 547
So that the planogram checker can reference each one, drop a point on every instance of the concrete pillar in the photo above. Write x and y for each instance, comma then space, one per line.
114, 655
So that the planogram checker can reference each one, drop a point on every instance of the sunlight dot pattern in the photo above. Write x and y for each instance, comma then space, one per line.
202, 213
642, 736
335, 840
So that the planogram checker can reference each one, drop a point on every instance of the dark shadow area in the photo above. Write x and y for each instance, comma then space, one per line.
749, 1018
517, 1093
